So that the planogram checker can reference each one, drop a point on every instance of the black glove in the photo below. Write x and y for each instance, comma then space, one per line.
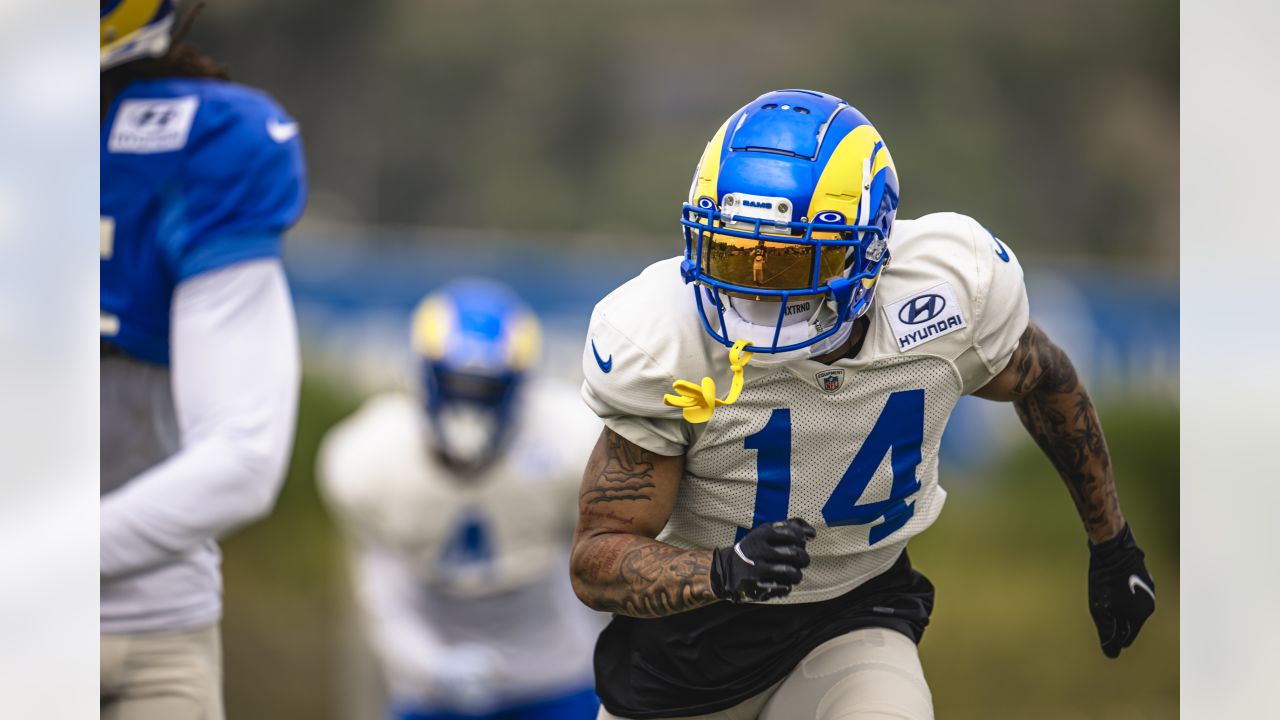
1122, 594
764, 564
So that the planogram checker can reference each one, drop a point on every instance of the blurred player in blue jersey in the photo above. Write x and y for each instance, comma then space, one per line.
459, 503
199, 358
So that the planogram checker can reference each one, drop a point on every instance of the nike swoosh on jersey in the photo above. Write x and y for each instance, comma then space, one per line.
281, 132
1136, 582
1001, 251
605, 365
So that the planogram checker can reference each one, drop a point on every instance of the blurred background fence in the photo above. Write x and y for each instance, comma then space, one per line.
549, 142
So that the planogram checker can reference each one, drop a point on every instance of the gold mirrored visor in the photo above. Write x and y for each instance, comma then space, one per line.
770, 265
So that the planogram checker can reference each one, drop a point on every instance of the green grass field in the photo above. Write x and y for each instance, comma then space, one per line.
1010, 637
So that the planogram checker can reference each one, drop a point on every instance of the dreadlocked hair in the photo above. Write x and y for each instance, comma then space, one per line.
182, 60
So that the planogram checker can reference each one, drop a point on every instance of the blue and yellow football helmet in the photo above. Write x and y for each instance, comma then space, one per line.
475, 341
787, 220
132, 29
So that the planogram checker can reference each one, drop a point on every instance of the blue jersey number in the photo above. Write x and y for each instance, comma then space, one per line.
470, 544
899, 430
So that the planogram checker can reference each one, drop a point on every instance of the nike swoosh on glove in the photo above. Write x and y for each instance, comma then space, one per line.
764, 564
1122, 594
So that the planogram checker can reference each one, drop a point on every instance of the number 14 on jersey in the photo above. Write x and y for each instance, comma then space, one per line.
899, 430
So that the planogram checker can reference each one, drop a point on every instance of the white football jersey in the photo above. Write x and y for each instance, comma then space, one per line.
473, 561
851, 447
472, 536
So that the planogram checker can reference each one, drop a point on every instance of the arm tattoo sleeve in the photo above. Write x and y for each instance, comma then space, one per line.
616, 565
627, 474
1055, 408
641, 577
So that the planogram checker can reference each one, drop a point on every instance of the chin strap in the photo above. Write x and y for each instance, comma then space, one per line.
700, 401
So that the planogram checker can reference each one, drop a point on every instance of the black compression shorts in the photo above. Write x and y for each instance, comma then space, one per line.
715, 657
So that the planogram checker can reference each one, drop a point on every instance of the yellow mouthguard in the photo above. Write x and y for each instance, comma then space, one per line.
700, 401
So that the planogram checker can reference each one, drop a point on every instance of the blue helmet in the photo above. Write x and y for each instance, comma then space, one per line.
133, 29
787, 223
475, 340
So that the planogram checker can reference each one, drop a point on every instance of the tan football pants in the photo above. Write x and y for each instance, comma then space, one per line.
869, 674
162, 676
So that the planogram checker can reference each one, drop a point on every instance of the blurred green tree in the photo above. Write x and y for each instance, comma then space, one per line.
1053, 123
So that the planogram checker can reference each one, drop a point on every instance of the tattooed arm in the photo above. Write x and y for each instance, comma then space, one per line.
1055, 408
616, 565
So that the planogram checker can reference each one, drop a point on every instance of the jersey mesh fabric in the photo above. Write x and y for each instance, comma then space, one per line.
711, 658
717, 495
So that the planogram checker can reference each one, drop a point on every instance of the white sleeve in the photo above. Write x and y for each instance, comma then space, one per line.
628, 395
1000, 309
235, 375
390, 598
391, 608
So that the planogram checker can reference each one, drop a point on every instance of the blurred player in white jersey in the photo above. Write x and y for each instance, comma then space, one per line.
199, 363
459, 504
752, 540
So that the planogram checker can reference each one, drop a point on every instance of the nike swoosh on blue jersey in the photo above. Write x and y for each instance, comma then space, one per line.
281, 132
605, 365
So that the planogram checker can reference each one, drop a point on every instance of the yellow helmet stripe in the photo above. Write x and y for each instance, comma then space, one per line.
128, 17
433, 323
524, 343
707, 177
839, 186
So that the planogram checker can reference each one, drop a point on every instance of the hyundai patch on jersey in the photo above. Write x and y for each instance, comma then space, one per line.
924, 316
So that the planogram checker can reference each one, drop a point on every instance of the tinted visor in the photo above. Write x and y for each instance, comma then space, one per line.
770, 265
472, 388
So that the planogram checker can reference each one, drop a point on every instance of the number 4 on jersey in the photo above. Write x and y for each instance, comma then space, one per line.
899, 430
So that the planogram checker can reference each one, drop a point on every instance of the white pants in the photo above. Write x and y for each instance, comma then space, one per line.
162, 676
869, 674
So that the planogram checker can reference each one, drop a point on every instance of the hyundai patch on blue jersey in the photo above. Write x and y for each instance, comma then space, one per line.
197, 174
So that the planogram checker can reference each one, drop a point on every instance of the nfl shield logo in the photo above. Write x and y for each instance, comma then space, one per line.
830, 380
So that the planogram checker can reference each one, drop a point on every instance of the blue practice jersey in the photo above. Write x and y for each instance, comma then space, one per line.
197, 174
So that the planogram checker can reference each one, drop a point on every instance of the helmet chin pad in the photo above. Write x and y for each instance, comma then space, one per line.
765, 312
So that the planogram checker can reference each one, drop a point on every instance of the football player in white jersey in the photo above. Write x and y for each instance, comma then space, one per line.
752, 541
459, 504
